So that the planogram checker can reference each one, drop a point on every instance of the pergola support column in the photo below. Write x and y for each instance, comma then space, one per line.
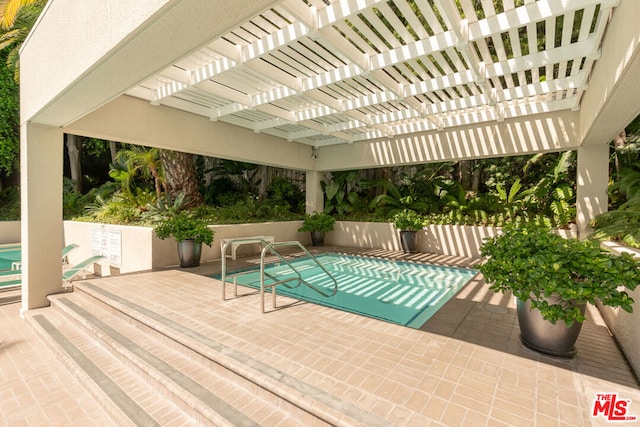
592, 182
41, 168
315, 196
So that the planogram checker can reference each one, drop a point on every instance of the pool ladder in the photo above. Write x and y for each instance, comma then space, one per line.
270, 248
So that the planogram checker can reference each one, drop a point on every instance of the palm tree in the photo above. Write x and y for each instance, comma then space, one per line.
144, 160
17, 17
180, 177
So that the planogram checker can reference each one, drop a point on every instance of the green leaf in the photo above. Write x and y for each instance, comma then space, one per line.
331, 189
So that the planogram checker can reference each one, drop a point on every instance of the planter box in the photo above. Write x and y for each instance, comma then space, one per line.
625, 325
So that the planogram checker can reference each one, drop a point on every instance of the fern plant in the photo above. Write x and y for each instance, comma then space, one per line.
623, 224
563, 211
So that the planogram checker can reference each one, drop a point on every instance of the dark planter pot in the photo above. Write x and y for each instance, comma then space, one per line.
317, 238
543, 336
189, 253
409, 241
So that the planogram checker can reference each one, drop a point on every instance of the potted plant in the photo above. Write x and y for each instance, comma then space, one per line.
190, 233
553, 279
318, 223
408, 223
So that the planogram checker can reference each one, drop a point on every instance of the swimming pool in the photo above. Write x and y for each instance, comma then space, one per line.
9, 254
405, 293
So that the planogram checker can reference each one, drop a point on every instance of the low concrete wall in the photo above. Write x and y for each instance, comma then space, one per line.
131, 248
9, 232
625, 325
281, 231
455, 240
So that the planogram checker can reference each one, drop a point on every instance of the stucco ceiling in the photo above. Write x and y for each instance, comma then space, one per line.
324, 72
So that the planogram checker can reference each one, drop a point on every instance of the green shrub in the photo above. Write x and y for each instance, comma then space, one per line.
184, 226
408, 220
317, 221
10, 204
534, 263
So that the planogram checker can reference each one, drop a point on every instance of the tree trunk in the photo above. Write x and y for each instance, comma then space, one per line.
619, 142
113, 148
465, 174
477, 179
180, 177
156, 180
74, 147
263, 172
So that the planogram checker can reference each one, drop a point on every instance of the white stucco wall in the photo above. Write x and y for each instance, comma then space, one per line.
142, 250
613, 98
453, 240
625, 326
137, 246
9, 232
79, 46
556, 131
133, 120
105, 47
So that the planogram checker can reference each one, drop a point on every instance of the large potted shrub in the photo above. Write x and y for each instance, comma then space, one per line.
553, 279
190, 233
408, 222
317, 223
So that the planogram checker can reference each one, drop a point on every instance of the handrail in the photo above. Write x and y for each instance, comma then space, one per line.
224, 260
270, 247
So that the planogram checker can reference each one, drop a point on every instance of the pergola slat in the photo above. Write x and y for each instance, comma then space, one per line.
358, 60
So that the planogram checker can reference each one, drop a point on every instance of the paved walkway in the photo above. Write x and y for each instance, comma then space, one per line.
465, 366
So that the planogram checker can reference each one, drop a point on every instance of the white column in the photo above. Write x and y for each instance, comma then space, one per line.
592, 181
315, 196
41, 163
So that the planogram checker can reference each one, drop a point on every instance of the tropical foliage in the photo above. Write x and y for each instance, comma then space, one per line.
341, 195
18, 17
623, 223
9, 120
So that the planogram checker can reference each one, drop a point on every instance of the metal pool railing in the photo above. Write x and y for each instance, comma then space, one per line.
290, 282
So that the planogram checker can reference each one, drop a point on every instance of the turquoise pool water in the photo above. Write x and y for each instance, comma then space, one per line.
8, 255
404, 293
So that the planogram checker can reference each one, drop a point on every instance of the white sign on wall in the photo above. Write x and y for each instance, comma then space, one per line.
107, 241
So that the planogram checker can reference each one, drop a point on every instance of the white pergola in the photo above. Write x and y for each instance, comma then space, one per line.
322, 85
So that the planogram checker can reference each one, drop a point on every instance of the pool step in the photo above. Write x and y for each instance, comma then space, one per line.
198, 377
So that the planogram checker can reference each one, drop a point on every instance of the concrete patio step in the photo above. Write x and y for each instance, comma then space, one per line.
112, 383
185, 388
188, 375
304, 403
